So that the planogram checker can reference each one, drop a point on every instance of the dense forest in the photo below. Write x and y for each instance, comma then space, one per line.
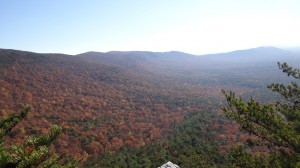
138, 109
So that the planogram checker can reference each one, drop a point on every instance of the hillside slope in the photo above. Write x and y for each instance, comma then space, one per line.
108, 100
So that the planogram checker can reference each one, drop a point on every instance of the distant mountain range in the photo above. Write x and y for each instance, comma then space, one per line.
146, 61
141, 60
255, 54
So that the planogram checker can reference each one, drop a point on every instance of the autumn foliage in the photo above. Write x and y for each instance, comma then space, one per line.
103, 106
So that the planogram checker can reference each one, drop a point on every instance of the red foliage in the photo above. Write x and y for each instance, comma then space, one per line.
101, 107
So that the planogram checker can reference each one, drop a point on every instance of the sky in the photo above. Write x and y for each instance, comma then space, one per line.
192, 26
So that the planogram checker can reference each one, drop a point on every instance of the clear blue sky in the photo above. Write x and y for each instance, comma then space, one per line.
193, 26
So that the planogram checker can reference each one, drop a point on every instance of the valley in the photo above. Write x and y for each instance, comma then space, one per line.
108, 101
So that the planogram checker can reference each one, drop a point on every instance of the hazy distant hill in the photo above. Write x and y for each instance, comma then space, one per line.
234, 58
252, 56
293, 49
220, 68
140, 60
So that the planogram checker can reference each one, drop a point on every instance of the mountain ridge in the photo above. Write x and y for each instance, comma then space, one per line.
166, 52
147, 61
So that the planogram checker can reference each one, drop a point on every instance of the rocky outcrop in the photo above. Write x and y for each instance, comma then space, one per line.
169, 165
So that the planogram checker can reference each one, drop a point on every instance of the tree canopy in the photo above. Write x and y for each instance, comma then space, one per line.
34, 151
277, 125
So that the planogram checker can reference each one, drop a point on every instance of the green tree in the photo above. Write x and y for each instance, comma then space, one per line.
276, 125
34, 151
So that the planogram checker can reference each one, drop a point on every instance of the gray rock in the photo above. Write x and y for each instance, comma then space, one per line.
169, 165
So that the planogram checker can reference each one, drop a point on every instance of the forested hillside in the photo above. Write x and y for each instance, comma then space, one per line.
108, 103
